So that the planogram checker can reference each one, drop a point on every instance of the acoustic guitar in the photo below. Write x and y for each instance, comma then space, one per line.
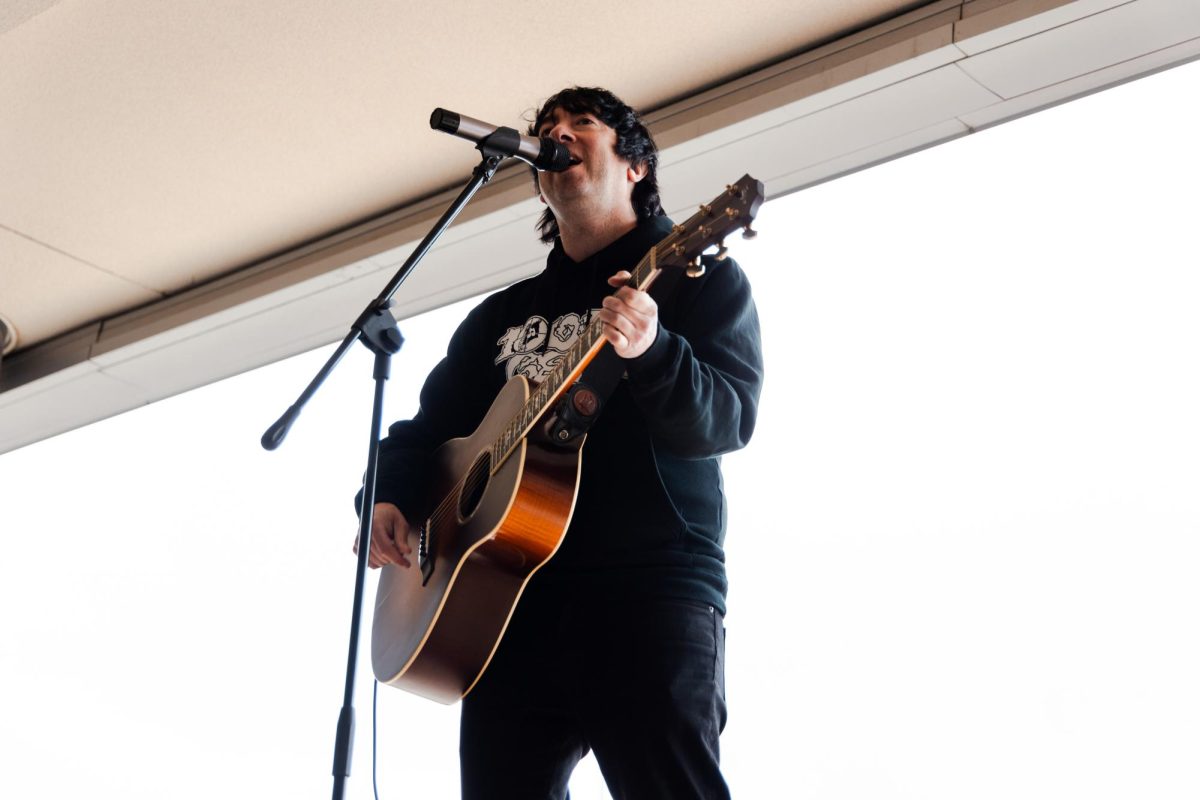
507, 492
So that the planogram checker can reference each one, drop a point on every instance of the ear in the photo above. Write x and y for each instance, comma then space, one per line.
636, 173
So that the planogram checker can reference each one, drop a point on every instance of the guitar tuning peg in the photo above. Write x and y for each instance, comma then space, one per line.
722, 251
749, 233
695, 268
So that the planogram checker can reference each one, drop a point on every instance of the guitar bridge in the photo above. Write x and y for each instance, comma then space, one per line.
424, 558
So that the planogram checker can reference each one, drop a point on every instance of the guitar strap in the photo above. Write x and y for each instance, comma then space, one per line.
581, 405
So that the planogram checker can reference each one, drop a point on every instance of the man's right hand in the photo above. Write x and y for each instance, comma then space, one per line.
390, 534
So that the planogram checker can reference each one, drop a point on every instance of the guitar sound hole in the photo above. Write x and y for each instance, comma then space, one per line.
474, 485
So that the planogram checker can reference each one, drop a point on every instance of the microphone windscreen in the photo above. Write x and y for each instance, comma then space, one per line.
554, 156
443, 120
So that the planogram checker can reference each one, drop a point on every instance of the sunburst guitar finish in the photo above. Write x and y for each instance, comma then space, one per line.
435, 637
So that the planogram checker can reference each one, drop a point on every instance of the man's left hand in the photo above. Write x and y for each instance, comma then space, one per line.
630, 318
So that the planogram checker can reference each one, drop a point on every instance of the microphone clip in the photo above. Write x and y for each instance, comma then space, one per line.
501, 142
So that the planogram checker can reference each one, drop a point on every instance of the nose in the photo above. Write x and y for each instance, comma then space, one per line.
561, 133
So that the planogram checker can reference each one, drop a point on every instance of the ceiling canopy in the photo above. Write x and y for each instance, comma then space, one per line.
182, 178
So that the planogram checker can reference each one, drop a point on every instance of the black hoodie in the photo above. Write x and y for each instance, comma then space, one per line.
650, 516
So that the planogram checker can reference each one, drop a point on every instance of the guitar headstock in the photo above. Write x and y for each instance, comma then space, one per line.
732, 210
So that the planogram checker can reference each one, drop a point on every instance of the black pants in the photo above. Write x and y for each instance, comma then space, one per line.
640, 683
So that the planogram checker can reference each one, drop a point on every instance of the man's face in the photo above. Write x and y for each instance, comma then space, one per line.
598, 181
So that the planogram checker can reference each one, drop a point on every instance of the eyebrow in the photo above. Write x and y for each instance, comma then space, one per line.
553, 116
550, 117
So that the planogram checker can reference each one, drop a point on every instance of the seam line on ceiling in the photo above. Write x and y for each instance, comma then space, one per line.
957, 64
16, 18
84, 262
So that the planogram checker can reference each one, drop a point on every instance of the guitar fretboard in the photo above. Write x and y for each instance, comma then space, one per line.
569, 367
729, 211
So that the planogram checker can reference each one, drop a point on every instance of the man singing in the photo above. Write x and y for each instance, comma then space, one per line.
617, 644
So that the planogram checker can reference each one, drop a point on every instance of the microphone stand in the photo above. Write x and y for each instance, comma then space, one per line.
377, 328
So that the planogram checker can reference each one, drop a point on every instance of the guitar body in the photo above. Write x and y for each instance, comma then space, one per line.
435, 636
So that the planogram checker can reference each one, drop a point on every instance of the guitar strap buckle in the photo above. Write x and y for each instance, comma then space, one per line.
576, 411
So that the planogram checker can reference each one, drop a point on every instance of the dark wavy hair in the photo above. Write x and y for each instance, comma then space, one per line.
634, 144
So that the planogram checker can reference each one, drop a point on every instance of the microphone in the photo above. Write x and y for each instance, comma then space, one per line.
539, 153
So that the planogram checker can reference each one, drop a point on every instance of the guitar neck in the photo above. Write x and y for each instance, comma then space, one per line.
570, 367
732, 210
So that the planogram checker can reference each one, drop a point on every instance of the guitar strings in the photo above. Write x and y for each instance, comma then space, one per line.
502, 448
445, 507
532, 411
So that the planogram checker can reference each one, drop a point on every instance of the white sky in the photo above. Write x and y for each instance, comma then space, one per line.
963, 544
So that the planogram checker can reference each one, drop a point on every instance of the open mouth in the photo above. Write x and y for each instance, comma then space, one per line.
576, 160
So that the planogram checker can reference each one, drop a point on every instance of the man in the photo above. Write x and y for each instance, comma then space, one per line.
617, 644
